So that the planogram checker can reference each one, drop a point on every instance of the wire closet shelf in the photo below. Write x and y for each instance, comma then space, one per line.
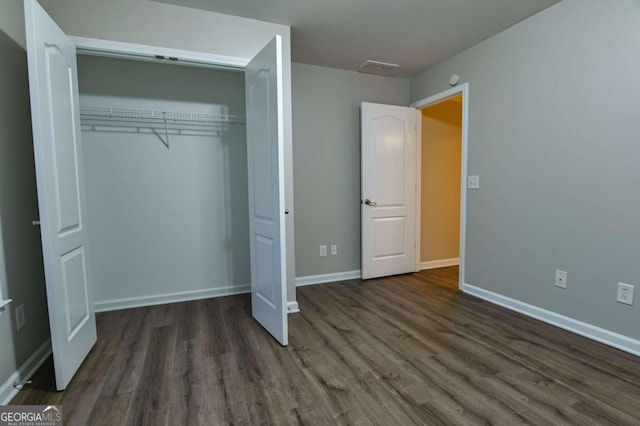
96, 118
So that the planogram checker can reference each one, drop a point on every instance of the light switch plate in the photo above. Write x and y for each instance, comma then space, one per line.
473, 182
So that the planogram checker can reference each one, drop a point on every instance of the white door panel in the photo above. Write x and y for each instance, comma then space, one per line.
389, 150
53, 85
390, 237
265, 150
389, 135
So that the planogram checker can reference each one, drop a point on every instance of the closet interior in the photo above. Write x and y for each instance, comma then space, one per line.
165, 163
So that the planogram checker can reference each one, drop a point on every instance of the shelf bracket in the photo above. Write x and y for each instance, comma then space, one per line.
165, 141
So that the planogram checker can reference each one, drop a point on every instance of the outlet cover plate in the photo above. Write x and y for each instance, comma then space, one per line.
561, 278
473, 182
625, 293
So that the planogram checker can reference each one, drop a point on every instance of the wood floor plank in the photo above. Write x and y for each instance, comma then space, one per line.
110, 410
471, 353
399, 350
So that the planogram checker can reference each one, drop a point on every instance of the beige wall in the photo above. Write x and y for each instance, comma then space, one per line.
440, 193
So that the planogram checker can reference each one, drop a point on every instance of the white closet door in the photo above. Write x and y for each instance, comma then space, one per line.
265, 150
53, 83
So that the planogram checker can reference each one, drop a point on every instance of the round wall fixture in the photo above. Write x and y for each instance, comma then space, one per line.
454, 79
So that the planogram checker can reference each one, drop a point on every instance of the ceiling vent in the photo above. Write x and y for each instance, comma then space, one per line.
378, 68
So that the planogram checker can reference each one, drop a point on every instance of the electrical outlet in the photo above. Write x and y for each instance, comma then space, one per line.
20, 317
561, 278
334, 249
473, 182
323, 251
625, 293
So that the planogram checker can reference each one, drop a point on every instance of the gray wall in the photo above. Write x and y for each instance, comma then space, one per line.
21, 268
12, 20
164, 220
326, 154
554, 136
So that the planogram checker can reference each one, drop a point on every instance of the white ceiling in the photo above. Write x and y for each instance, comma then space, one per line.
415, 34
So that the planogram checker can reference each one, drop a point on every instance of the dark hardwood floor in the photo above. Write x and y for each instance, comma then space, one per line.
395, 351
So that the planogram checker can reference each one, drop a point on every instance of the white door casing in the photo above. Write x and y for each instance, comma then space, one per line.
389, 150
53, 84
265, 151
463, 90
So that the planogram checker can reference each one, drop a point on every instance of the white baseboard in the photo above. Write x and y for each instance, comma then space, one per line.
442, 263
328, 278
26, 370
293, 307
161, 299
593, 332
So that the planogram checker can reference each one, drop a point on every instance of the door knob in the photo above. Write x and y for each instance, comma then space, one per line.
370, 203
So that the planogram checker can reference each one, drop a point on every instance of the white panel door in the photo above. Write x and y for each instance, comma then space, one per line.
265, 150
55, 115
389, 158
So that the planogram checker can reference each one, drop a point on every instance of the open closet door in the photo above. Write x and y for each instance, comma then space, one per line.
53, 83
265, 150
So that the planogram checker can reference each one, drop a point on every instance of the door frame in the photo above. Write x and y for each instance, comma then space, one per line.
420, 105
142, 52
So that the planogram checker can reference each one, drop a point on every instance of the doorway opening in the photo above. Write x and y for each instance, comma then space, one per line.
440, 185
441, 188
165, 167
